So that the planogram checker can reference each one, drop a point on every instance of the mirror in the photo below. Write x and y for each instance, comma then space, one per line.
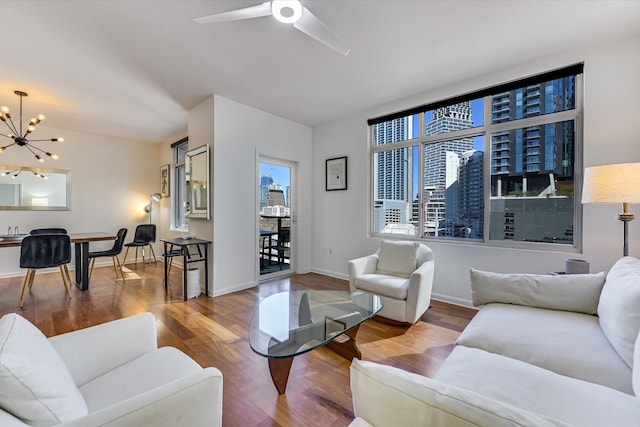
197, 178
38, 189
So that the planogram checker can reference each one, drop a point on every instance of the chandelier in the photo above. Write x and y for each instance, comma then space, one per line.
19, 138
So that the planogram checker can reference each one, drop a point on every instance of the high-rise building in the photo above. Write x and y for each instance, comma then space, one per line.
529, 160
393, 175
265, 181
442, 161
470, 197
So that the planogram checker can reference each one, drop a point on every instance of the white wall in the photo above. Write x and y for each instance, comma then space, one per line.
241, 133
111, 183
611, 135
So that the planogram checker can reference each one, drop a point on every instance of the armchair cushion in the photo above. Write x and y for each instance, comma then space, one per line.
383, 285
572, 292
618, 308
35, 384
398, 258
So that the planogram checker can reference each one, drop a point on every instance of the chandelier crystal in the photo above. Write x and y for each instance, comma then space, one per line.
19, 138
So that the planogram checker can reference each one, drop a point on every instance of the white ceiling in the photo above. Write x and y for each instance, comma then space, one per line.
132, 69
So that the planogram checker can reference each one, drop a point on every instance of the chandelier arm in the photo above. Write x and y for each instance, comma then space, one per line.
7, 146
11, 126
30, 147
33, 152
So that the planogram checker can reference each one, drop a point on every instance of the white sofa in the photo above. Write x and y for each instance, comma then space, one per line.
401, 274
542, 351
107, 375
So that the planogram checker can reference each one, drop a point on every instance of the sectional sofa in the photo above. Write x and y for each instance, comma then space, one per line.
543, 350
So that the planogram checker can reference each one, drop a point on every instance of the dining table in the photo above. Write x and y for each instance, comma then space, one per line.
81, 246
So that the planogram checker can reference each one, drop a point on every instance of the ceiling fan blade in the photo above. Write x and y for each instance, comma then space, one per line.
256, 11
313, 27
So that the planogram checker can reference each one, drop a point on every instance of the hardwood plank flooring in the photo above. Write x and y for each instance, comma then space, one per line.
213, 331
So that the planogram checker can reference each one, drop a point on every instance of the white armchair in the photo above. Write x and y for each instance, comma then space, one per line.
401, 274
107, 375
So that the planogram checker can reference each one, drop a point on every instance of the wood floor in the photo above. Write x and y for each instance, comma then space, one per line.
214, 333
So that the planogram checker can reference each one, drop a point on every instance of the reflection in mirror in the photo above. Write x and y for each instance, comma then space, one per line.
24, 188
197, 180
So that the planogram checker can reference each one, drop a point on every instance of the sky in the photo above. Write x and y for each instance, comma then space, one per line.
280, 174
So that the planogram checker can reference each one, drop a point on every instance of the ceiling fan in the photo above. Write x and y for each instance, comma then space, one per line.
287, 12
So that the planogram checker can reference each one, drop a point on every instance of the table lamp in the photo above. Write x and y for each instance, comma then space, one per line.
617, 183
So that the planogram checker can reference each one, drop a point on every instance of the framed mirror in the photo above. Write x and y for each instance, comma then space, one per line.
196, 164
37, 189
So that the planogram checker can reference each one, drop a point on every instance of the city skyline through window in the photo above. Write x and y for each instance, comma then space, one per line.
427, 183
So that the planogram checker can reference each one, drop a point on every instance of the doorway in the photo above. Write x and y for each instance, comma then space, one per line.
275, 213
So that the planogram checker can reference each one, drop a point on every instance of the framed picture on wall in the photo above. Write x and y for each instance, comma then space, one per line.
336, 174
164, 181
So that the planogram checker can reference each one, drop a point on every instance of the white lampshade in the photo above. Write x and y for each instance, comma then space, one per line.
618, 183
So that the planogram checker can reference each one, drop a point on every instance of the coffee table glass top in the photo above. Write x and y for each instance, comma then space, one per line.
290, 323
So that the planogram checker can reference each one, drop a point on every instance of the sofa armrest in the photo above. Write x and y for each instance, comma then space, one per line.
385, 396
359, 266
91, 352
194, 400
419, 291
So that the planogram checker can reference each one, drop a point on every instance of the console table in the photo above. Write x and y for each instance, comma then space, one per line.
202, 247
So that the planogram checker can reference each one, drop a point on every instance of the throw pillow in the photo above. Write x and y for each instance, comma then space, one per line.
35, 384
619, 307
568, 292
397, 258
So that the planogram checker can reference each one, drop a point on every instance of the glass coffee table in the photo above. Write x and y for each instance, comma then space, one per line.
291, 323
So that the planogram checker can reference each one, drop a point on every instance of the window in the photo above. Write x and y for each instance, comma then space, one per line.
428, 164
177, 208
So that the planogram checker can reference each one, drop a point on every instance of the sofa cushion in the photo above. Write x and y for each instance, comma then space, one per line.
569, 292
383, 285
397, 258
145, 373
538, 390
35, 384
386, 396
618, 307
564, 342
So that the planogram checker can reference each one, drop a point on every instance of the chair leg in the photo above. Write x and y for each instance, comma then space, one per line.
154, 253
116, 259
124, 260
135, 260
65, 278
28, 281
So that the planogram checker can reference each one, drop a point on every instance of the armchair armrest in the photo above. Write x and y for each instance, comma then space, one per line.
419, 291
91, 352
194, 400
359, 266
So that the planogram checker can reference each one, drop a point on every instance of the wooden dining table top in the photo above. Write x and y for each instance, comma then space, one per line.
92, 236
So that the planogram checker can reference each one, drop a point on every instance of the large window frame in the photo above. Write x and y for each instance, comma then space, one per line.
418, 140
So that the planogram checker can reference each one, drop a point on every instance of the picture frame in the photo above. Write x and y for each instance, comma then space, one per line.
164, 181
336, 174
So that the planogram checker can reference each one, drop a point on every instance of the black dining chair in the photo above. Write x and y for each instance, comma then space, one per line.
145, 235
48, 231
113, 253
44, 251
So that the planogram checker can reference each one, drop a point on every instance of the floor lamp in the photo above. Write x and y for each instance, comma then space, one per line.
155, 197
617, 183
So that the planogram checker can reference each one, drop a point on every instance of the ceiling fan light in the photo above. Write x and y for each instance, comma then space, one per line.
278, 6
